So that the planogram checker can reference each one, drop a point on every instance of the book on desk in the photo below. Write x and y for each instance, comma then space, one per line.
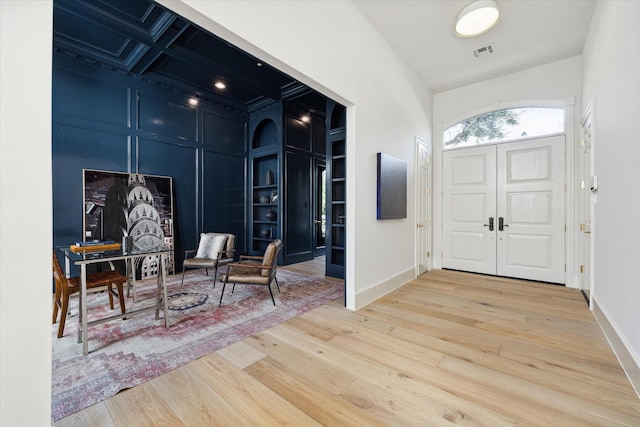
95, 245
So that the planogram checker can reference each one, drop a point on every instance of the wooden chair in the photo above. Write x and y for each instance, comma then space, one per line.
67, 286
214, 250
254, 270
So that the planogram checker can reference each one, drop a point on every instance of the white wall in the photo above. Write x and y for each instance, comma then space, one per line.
556, 82
612, 83
25, 213
329, 46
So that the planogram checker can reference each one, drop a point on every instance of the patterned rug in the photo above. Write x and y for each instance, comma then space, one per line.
126, 353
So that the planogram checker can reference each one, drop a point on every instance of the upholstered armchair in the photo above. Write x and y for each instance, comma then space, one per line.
214, 250
254, 270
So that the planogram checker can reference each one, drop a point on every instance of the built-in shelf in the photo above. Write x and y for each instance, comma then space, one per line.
336, 236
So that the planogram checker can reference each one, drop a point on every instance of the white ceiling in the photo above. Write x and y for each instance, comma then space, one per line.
529, 33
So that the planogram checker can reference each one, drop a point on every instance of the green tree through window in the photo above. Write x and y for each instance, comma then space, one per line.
506, 124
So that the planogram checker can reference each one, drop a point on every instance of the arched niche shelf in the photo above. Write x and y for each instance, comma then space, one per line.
266, 134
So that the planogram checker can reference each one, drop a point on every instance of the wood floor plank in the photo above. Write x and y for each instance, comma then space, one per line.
193, 401
141, 406
327, 408
241, 354
448, 348
253, 403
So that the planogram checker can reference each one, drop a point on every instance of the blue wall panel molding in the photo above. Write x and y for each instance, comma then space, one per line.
161, 116
202, 147
224, 133
224, 195
74, 149
76, 95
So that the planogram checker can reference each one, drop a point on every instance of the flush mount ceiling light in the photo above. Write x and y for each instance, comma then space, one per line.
477, 18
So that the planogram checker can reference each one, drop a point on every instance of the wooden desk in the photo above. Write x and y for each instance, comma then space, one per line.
85, 258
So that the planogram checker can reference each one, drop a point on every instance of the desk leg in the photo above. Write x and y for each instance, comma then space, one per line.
163, 272
83, 307
161, 292
131, 275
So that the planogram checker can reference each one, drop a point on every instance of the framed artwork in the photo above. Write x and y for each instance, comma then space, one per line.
120, 204
392, 187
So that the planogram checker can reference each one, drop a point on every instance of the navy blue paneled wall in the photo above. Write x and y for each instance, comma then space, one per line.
108, 121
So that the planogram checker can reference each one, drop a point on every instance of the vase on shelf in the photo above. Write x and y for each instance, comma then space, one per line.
271, 215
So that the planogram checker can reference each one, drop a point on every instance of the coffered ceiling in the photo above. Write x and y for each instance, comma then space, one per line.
142, 39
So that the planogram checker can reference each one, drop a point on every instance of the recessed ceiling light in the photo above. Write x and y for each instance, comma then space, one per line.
477, 18
193, 101
259, 64
306, 118
220, 85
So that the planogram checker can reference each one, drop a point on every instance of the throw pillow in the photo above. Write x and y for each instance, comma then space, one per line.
204, 247
210, 245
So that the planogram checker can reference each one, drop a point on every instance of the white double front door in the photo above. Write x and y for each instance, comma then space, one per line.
503, 209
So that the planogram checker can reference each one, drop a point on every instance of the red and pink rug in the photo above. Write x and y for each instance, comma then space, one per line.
126, 353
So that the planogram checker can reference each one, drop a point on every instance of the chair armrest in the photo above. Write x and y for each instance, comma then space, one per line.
248, 266
190, 251
228, 254
251, 257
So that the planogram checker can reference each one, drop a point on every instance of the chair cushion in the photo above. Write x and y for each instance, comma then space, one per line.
199, 262
246, 278
210, 244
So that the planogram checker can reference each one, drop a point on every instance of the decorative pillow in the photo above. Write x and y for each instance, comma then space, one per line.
210, 245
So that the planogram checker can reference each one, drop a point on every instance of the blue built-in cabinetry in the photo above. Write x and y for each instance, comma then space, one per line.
287, 157
265, 177
336, 190
108, 120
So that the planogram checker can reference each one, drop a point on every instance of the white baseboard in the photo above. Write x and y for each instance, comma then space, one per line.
367, 296
630, 363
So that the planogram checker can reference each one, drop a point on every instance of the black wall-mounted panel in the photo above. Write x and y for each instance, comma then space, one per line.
79, 96
164, 117
392, 187
225, 133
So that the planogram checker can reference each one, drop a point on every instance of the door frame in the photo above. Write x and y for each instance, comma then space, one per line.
492, 249
423, 204
585, 246
572, 279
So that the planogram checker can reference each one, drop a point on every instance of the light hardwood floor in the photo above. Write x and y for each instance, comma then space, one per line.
447, 348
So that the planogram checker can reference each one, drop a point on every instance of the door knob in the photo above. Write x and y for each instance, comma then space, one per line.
419, 225
317, 221
501, 224
490, 225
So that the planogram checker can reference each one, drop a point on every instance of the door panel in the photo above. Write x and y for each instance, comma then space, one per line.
530, 197
520, 186
423, 206
470, 200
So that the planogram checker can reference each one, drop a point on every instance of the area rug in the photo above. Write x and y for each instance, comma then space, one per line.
126, 353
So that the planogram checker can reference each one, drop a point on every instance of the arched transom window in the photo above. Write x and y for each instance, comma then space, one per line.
505, 125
